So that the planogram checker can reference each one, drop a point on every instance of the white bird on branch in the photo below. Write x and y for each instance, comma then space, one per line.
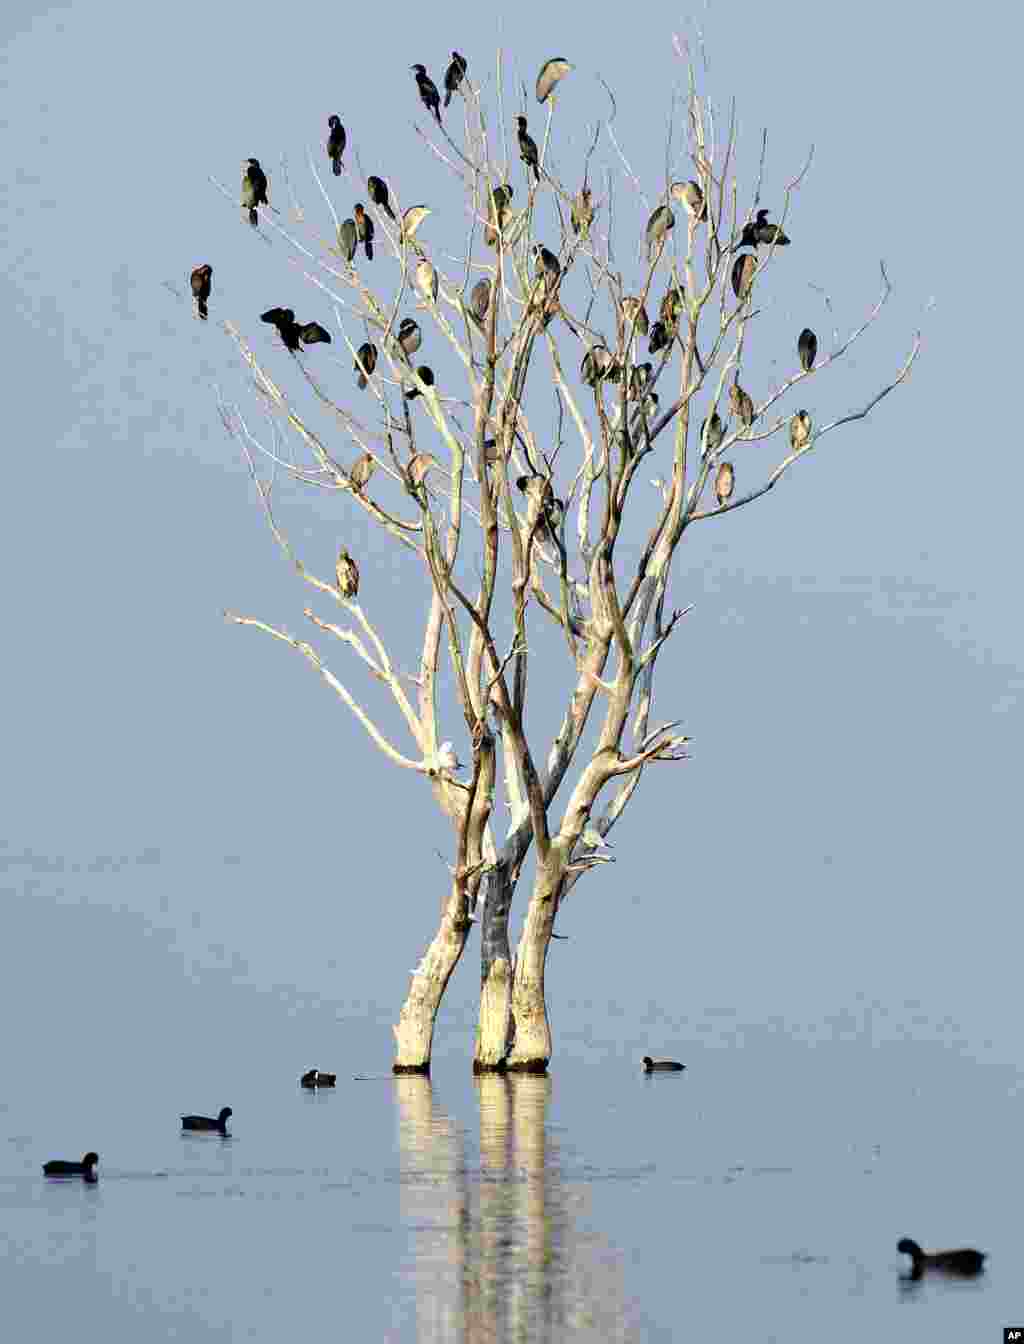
446, 757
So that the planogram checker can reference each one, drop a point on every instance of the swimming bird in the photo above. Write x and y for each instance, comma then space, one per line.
454, 76
807, 349
743, 270
200, 281
254, 189
348, 239
346, 571
335, 143
365, 363
206, 1122
550, 73
376, 189
326, 1079
582, 213
428, 91
364, 229
361, 470
528, 148
658, 225
308, 1079
966, 1262
86, 1168
410, 338
691, 198
479, 300
742, 405
725, 483
799, 431
661, 1065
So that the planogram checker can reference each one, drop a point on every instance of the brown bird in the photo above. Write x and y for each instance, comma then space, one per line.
691, 198
367, 358
597, 363
347, 572
364, 229
547, 266
799, 431
741, 405
634, 314
712, 432
965, 1263
335, 143
412, 219
454, 76
426, 280
254, 189
479, 300
760, 231
550, 73
658, 226
409, 388
528, 148
743, 269
671, 307
348, 239
725, 481
807, 349
418, 466
410, 338
498, 210
639, 379
376, 189
200, 281
582, 213
361, 470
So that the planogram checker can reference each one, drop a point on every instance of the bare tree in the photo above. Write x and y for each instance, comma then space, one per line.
510, 537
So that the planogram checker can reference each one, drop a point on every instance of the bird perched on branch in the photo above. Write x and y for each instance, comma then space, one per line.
807, 349
528, 148
412, 219
335, 143
691, 198
348, 239
292, 332
799, 431
479, 301
743, 270
671, 306
659, 338
547, 266
759, 231
597, 363
543, 504
409, 389
712, 433
426, 280
410, 338
582, 213
418, 466
254, 189
639, 378
347, 573
498, 210
361, 470
658, 226
377, 191
635, 314
200, 281
428, 91
550, 73
367, 358
741, 405
454, 76
725, 482
364, 229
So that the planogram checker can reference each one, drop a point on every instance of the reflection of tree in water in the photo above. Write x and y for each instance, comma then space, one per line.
497, 1254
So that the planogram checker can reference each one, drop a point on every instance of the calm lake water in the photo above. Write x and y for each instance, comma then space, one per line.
759, 1195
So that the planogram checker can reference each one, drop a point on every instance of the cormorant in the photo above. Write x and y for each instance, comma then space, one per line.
550, 73
712, 432
348, 239
547, 265
479, 299
206, 1122
691, 198
200, 281
497, 212
377, 190
661, 1065
528, 148
409, 389
454, 76
362, 469
426, 280
725, 481
292, 332
743, 269
308, 1079
671, 307
659, 338
582, 213
966, 1262
418, 466
742, 405
760, 231
639, 378
86, 1168
799, 431
634, 313
428, 91
367, 353
410, 338
412, 219
254, 189
364, 229
807, 349
335, 143
595, 366
658, 226
347, 571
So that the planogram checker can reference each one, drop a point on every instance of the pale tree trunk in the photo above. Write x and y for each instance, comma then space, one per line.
494, 1021
414, 1030
531, 1043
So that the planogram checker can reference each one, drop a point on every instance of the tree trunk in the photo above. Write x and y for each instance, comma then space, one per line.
531, 1042
494, 1021
414, 1030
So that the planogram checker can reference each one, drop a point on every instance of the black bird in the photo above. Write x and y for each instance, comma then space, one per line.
743, 269
367, 353
597, 363
659, 338
206, 1122
966, 1263
547, 265
582, 213
326, 1079
661, 1065
292, 332
335, 143
348, 239
410, 338
528, 148
410, 389
254, 189
378, 193
310, 333
86, 1168
454, 76
308, 1079
712, 432
428, 91
760, 231
200, 280
364, 229
807, 349
479, 299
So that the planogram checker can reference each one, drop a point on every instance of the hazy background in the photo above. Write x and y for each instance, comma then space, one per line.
819, 904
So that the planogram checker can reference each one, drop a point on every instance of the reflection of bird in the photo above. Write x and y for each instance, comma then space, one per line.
742, 405
528, 148
582, 213
206, 1122
412, 219
658, 226
661, 1065
364, 229
712, 433
743, 269
335, 143
760, 231
454, 76
550, 73
691, 198
725, 483
410, 338
409, 388
376, 189
966, 1262
200, 280
348, 239
799, 431
292, 332
86, 1168
807, 349
500, 203
426, 280
428, 91
479, 299
367, 353
347, 572
659, 338
254, 189
361, 470
633, 311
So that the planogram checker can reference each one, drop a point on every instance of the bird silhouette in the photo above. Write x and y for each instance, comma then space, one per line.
254, 189
206, 1122
965, 1263
428, 91
348, 239
741, 404
454, 76
364, 229
658, 225
528, 148
86, 1168
366, 363
292, 332
807, 349
377, 191
200, 281
479, 300
335, 143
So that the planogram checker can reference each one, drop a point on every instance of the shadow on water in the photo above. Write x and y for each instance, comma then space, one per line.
499, 1251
